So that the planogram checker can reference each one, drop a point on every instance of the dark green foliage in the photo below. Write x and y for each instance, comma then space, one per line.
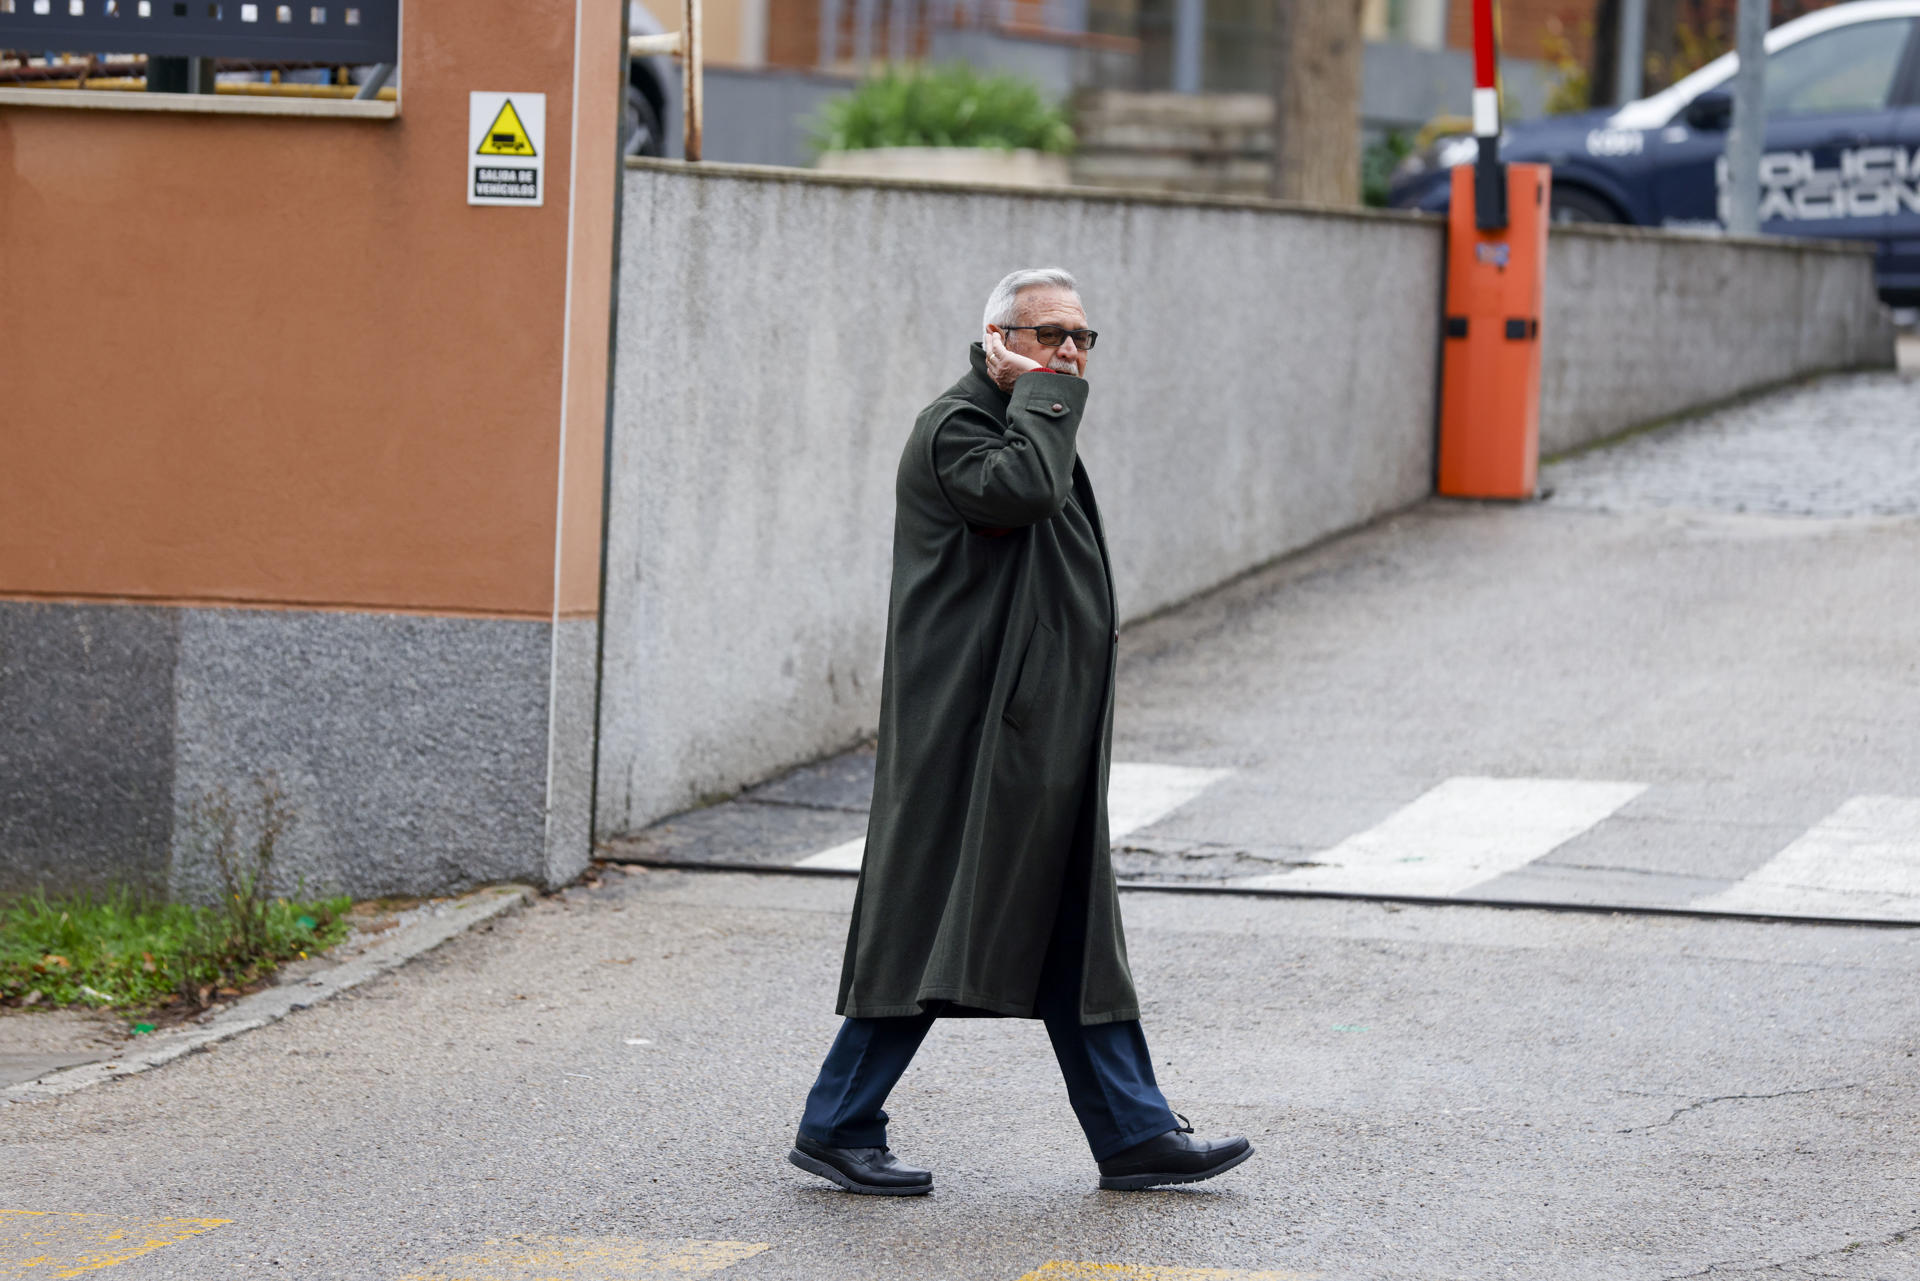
1377, 164
948, 106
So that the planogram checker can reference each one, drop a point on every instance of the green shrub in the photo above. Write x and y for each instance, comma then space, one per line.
1377, 164
949, 106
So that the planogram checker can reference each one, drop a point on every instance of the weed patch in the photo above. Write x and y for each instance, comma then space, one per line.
130, 951
127, 952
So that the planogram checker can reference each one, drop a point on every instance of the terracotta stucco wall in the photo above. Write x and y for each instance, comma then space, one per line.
281, 361
1527, 25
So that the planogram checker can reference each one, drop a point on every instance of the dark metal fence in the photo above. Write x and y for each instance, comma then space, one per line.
359, 32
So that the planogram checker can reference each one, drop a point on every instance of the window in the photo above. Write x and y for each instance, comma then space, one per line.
1847, 69
259, 58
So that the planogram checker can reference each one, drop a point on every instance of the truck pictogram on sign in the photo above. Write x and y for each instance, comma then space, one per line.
506, 136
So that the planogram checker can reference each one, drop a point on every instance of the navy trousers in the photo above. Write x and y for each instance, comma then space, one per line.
1109, 1080
1108, 1073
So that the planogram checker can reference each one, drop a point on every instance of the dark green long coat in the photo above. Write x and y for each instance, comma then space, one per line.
996, 717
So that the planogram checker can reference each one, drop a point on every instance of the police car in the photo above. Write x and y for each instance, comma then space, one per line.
1842, 144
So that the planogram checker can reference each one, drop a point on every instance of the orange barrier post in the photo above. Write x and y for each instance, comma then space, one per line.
1490, 378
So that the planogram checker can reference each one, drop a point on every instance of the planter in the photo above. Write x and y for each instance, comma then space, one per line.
982, 166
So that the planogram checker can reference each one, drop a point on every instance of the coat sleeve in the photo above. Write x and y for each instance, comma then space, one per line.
1020, 476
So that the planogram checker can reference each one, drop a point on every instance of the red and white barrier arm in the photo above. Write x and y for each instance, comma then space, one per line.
1489, 175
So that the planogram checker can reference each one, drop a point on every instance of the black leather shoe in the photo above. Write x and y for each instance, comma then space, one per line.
868, 1171
1173, 1157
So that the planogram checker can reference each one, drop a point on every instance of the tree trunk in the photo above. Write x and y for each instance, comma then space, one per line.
1603, 67
1316, 101
1663, 45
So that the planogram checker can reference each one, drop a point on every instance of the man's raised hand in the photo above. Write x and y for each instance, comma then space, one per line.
1003, 366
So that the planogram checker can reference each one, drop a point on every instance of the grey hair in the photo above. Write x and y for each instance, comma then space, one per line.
1003, 301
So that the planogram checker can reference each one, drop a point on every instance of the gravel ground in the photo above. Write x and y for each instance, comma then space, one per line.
1841, 446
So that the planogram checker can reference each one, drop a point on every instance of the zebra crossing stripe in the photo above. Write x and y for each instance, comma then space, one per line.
1862, 860
1137, 796
845, 857
1459, 834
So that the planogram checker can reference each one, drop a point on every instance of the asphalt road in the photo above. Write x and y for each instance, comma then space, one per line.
605, 1084
1435, 1093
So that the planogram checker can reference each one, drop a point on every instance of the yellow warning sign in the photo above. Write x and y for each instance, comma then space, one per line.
506, 136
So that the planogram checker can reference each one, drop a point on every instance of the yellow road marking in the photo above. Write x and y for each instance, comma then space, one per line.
41, 1245
545, 1258
1059, 1270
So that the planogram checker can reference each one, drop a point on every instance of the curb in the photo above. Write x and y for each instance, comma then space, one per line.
275, 1003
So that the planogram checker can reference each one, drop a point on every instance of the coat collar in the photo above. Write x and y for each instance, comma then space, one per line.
985, 391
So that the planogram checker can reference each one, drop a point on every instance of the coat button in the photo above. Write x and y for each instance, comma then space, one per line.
1116, 638
1058, 407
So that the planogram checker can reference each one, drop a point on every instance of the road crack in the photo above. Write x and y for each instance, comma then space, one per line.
1734, 1267
1697, 1104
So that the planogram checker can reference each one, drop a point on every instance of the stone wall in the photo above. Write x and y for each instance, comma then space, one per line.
1641, 325
412, 750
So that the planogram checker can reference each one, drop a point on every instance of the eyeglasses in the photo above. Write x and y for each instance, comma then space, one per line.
1054, 335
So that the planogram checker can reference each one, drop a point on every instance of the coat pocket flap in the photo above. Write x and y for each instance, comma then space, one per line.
1035, 665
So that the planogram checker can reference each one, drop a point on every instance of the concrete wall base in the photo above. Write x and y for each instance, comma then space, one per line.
420, 755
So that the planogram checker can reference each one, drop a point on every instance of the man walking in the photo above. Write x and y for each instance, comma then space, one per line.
987, 887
